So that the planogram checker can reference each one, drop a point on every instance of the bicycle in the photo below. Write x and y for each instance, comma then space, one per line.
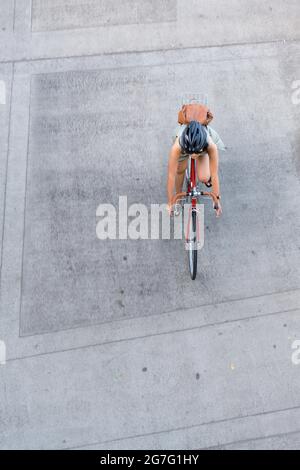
192, 195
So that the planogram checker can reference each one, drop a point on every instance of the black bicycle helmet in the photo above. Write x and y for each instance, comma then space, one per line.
194, 138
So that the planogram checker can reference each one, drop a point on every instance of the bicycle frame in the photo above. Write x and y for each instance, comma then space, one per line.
192, 235
192, 182
191, 190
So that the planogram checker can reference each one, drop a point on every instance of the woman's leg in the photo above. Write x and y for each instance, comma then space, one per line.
180, 175
203, 168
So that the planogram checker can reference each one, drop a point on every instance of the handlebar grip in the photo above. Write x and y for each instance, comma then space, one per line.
178, 196
210, 194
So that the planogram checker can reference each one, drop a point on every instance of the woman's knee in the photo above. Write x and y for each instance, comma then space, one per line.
204, 178
203, 169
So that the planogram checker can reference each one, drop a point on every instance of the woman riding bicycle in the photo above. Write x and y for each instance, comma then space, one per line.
201, 142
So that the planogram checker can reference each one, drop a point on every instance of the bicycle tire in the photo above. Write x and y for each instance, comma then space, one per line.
192, 250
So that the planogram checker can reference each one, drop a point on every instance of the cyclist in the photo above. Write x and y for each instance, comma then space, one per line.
198, 141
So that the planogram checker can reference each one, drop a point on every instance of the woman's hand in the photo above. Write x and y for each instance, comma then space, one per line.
218, 209
170, 208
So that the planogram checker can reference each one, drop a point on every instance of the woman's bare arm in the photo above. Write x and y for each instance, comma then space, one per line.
172, 169
214, 167
214, 173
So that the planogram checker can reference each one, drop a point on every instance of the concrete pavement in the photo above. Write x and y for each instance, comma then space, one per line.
109, 344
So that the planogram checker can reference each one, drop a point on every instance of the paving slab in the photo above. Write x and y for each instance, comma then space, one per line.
88, 27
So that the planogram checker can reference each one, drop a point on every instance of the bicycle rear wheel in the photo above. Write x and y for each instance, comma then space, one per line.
192, 245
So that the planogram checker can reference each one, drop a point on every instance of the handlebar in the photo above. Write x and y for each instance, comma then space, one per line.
201, 193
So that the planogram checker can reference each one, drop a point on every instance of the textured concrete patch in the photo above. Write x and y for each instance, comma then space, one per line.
77, 156
5, 89
291, 78
50, 15
6, 16
66, 184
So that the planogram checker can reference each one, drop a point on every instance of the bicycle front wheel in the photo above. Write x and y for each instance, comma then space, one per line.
192, 245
